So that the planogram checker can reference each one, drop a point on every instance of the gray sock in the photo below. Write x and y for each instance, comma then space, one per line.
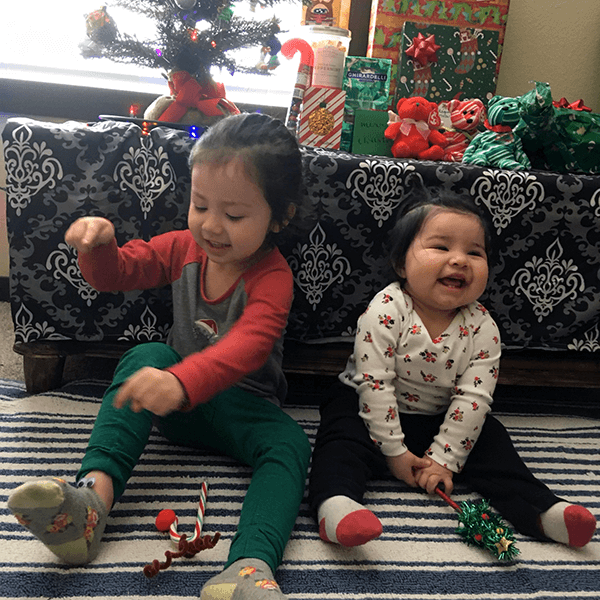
69, 521
245, 579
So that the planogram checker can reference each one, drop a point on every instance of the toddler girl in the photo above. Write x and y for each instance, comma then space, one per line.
415, 397
218, 381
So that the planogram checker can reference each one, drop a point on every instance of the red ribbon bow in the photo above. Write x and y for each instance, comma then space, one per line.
578, 105
423, 49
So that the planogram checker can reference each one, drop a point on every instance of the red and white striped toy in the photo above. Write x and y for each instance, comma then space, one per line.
167, 519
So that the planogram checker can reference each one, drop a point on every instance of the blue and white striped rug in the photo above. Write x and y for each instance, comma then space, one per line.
418, 557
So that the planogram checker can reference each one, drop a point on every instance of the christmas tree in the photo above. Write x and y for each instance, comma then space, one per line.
192, 37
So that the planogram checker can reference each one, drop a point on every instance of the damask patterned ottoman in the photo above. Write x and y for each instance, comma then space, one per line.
544, 288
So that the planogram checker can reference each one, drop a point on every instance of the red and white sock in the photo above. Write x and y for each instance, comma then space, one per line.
569, 524
346, 522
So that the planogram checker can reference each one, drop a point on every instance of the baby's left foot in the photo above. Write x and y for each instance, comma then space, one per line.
569, 524
245, 579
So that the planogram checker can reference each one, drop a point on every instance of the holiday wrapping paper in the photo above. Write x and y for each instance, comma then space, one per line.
321, 117
442, 62
388, 18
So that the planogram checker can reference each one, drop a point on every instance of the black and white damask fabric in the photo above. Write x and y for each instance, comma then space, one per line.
544, 288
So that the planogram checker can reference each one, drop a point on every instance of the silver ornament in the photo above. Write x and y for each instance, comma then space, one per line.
185, 4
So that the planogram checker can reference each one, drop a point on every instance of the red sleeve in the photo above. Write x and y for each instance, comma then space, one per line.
138, 265
249, 343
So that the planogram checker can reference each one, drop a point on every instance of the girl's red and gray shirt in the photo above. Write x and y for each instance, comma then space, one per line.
236, 339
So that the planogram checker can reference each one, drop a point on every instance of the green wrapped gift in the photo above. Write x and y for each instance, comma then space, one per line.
555, 138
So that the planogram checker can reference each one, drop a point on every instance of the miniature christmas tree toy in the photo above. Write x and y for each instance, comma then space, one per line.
192, 38
479, 526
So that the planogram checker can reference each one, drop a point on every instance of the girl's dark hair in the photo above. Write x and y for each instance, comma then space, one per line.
270, 154
413, 213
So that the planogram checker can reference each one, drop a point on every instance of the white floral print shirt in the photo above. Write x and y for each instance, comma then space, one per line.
397, 368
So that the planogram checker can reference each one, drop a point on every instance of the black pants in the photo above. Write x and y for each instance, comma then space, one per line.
345, 459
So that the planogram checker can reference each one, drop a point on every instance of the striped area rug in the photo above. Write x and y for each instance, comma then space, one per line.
418, 557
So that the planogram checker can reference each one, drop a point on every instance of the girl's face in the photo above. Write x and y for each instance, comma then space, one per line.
229, 217
446, 265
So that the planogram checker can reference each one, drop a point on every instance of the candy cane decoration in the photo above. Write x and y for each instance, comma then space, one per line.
303, 78
167, 518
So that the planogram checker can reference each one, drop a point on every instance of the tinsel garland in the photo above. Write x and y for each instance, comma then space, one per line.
479, 526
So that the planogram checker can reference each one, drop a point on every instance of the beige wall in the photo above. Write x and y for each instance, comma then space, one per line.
556, 41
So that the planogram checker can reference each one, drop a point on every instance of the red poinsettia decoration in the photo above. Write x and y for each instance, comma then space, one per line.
423, 49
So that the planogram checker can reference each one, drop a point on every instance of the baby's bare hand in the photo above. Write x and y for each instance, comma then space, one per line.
430, 477
404, 466
88, 232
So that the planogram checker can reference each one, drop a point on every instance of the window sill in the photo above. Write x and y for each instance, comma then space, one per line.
40, 99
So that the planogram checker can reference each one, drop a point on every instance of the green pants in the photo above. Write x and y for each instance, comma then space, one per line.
236, 423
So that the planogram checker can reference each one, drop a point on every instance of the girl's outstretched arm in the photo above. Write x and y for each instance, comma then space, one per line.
89, 232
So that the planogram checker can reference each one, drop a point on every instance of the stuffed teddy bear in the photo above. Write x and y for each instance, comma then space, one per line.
414, 129
465, 118
499, 146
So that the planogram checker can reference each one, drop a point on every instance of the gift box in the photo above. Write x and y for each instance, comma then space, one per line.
368, 134
442, 62
388, 18
367, 85
335, 13
321, 117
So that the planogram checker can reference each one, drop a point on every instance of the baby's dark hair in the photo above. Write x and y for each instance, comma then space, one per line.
270, 154
419, 204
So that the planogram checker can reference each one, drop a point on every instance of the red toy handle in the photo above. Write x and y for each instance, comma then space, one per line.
447, 499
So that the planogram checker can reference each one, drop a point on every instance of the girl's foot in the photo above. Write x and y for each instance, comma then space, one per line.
569, 524
346, 522
245, 579
68, 520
